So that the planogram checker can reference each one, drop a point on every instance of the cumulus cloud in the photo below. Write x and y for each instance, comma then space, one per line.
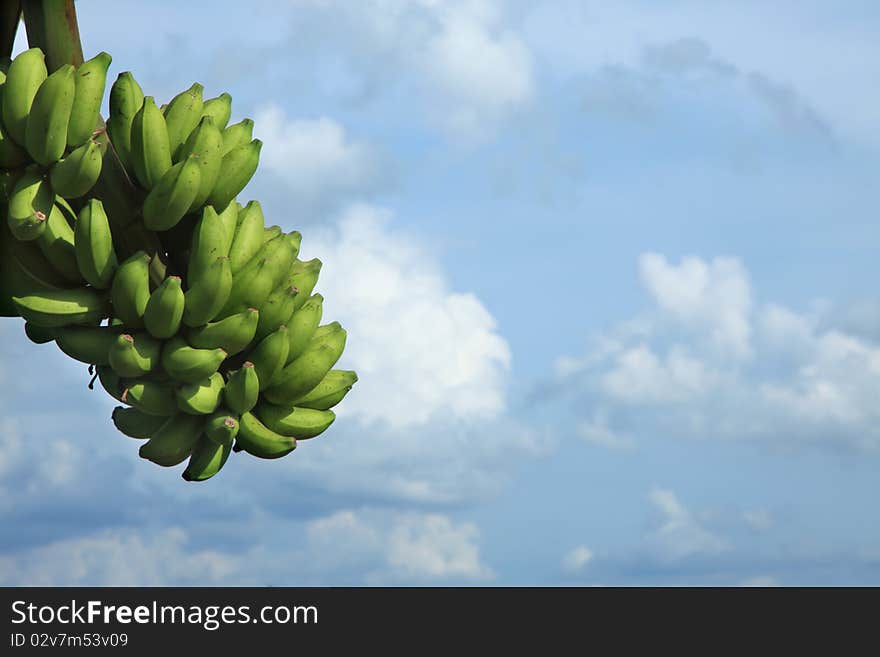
315, 158
705, 361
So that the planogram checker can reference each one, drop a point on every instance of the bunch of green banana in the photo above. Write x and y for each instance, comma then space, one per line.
211, 342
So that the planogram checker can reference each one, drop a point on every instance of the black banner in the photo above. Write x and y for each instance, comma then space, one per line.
263, 618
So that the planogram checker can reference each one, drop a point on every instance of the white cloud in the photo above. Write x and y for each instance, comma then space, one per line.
758, 519
315, 158
712, 296
680, 367
577, 559
596, 431
680, 534
118, 558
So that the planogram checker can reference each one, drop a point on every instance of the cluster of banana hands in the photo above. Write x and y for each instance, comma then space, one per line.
228, 353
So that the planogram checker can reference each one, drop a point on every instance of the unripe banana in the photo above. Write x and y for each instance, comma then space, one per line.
219, 109
238, 134
260, 441
239, 166
135, 424
29, 205
91, 78
207, 459
174, 441
151, 398
299, 423
182, 115
276, 311
170, 199
133, 356
242, 389
229, 221
87, 344
77, 173
304, 276
202, 398
164, 310
207, 295
302, 325
56, 243
307, 371
329, 392
26, 73
271, 232
206, 145
34, 273
38, 334
253, 284
130, 291
221, 428
46, 130
294, 240
126, 98
11, 154
111, 382
150, 148
269, 356
248, 238
208, 243
93, 244
54, 308
189, 365
233, 334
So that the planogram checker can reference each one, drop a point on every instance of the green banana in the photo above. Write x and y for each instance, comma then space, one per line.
182, 115
221, 428
174, 441
31, 202
170, 199
304, 277
269, 356
242, 389
260, 441
207, 459
130, 290
206, 145
238, 134
248, 238
300, 423
271, 232
38, 334
54, 308
276, 311
150, 148
135, 424
26, 73
87, 344
77, 173
219, 109
329, 392
302, 325
126, 98
11, 154
207, 295
253, 284
46, 130
56, 243
208, 244
32, 272
111, 382
307, 371
93, 244
151, 398
239, 166
229, 221
189, 365
202, 398
131, 356
164, 310
232, 334
91, 78
294, 240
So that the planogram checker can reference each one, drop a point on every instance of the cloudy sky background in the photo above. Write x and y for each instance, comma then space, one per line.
610, 279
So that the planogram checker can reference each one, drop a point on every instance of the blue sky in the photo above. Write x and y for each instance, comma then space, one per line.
608, 275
